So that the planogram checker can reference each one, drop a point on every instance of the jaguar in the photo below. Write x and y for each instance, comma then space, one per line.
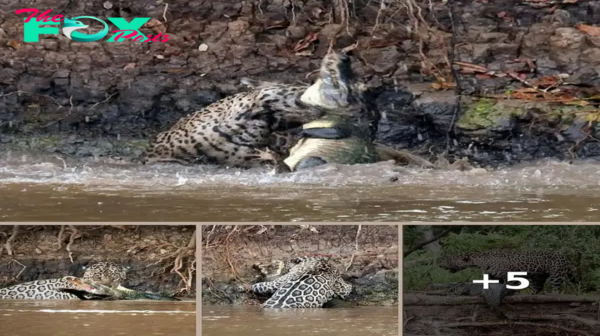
238, 130
105, 273
540, 266
84, 288
305, 282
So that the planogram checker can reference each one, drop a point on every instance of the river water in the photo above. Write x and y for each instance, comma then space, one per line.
249, 321
46, 188
109, 318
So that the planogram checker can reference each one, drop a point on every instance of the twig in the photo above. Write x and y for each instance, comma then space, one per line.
165, 12
22, 269
355, 247
63, 117
376, 25
105, 100
209, 234
234, 272
74, 235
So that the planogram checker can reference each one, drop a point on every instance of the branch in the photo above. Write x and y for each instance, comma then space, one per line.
418, 246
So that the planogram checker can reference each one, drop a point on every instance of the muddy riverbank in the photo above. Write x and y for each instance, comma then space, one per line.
368, 259
104, 99
150, 252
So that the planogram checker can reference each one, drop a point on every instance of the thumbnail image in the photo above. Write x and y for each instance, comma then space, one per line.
300, 278
501, 279
109, 279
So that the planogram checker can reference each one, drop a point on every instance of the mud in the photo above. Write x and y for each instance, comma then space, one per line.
106, 99
148, 251
367, 259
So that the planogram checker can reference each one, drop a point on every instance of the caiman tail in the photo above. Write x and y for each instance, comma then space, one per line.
387, 153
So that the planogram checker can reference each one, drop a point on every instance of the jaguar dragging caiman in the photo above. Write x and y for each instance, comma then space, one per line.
294, 127
100, 281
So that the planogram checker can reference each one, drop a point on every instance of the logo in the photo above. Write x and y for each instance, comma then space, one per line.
126, 30
71, 25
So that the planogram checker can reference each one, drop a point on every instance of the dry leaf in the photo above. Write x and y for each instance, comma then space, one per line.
304, 53
15, 44
590, 30
578, 103
305, 42
470, 67
129, 66
443, 85
156, 26
350, 47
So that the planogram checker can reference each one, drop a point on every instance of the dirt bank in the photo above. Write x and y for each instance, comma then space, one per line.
107, 99
367, 258
151, 252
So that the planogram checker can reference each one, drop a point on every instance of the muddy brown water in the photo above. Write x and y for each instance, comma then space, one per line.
48, 189
243, 321
110, 318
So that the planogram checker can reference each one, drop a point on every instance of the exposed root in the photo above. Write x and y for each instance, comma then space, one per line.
214, 227
74, 235
179, 257
10, 239
60, 237
227, 254
355, 247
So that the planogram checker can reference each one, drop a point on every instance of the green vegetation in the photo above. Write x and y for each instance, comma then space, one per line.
581, 243
483, 114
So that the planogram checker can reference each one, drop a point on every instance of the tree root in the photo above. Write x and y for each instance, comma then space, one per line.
74, 235
8, 245
60, 237
355, 248
186, 274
